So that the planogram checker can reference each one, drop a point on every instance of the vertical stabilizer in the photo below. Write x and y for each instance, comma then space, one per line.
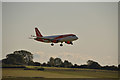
38, 34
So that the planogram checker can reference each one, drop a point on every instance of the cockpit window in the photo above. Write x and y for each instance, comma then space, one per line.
73, 35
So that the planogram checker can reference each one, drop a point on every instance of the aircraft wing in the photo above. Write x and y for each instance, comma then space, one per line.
45, 38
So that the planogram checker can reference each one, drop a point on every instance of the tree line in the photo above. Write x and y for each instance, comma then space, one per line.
24, 57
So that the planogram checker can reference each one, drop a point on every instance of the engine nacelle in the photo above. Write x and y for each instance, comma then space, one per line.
55, 41
69, 42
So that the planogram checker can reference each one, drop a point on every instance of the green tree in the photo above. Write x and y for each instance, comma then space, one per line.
15, 59
27, 56
51, 62
119, 67
75, 66
18, 57
58, 62
93, 65
37, 64
67, 64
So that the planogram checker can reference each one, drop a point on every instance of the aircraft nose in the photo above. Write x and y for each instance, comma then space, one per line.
76, 37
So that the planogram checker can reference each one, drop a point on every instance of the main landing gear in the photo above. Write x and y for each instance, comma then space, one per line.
53, 44
61, 44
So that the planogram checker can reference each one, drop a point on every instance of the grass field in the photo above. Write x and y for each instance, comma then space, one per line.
52, 72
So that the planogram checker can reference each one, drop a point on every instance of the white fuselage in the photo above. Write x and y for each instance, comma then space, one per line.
59, 38
67, 38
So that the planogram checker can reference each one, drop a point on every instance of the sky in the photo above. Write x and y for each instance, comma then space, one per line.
95, 24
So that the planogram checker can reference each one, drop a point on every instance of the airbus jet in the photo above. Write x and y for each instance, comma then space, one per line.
67, 38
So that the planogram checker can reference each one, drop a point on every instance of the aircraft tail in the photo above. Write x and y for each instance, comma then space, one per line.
38, 34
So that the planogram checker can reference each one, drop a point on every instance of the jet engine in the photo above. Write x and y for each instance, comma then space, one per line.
55, 41
69, 42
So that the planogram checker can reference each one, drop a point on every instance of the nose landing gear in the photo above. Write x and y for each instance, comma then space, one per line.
71, 43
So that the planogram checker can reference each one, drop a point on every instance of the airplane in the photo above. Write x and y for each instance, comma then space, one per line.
67, 38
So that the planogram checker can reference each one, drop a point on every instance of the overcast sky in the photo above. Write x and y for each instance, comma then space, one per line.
96, 25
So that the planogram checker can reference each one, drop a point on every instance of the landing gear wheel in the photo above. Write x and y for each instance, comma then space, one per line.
61, 44
71, 43
52, 44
